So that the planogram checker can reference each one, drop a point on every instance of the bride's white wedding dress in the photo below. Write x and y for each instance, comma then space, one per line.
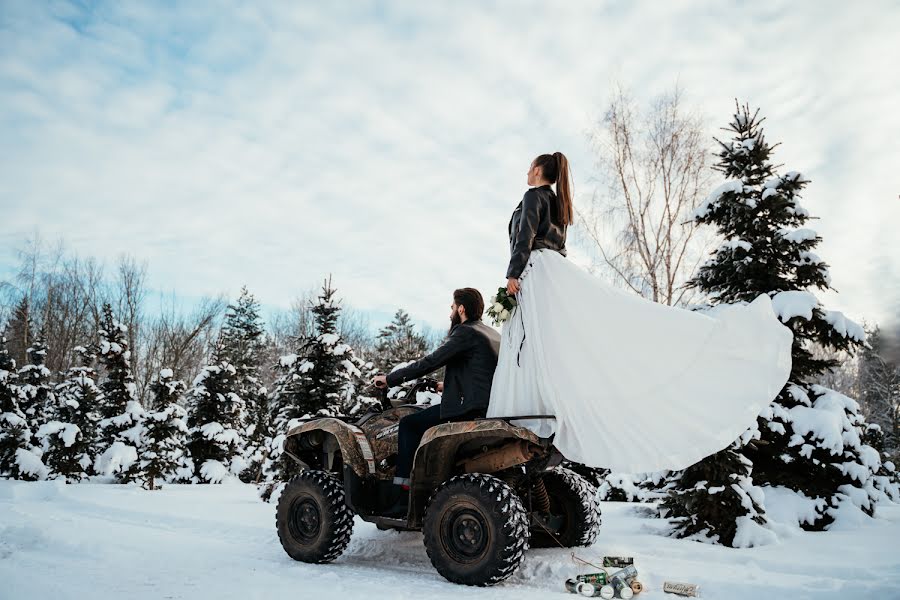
635, 385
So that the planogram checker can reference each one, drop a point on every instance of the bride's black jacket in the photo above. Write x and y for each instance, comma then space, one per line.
535, 223
470, 353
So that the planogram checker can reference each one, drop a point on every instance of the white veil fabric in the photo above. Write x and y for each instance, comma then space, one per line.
635, 386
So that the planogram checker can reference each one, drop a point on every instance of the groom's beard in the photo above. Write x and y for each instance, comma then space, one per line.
455, 320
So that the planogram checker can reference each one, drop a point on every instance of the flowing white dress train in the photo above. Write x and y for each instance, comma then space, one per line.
635, 385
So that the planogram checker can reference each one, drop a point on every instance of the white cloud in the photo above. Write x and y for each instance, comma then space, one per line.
388, 143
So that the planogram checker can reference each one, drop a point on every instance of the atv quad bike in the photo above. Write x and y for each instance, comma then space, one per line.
481, 491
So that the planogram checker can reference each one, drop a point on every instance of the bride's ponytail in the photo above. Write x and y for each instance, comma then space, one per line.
564, 188
555, 169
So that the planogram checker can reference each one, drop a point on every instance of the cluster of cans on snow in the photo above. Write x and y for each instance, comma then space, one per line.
622, 583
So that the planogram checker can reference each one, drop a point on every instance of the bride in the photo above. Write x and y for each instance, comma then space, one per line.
634, 385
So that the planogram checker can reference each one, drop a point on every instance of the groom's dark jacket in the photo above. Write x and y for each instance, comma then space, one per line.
470, 354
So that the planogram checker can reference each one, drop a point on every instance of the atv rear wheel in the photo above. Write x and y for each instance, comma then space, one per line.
313, 521
475, 530
573, 504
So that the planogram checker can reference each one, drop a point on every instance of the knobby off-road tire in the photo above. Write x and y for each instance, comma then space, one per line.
475, 530
313, 521
574, 499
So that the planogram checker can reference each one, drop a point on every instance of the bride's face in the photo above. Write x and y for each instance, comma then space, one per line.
534, 174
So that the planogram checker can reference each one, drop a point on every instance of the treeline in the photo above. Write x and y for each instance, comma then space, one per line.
209, 401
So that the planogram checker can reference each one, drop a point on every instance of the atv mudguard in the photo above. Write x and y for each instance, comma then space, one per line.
354, 448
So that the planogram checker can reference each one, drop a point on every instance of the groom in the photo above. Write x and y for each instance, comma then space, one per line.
470, 355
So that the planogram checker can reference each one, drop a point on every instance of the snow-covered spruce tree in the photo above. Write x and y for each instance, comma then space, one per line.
120, 425
69, 435
315, 381
36, 388
360, 393
19, 459
809, 439
243, 342
398, 342
215, 422
162, 451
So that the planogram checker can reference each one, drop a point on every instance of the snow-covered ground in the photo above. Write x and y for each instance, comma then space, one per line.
103, 541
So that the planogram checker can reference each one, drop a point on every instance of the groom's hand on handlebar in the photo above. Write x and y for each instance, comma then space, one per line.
380, 381
440, 386
512, 285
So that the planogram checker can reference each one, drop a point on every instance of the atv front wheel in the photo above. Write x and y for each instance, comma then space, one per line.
313, 521
573, 505
476, 530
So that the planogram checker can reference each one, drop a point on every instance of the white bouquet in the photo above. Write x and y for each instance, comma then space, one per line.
501, 306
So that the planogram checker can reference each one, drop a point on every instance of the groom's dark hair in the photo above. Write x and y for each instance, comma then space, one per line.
471, 300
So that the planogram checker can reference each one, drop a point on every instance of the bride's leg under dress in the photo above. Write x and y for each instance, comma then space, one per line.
635, 385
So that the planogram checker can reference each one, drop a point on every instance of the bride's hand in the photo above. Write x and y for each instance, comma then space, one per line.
512, 286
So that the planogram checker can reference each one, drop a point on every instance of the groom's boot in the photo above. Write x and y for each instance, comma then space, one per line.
401, 504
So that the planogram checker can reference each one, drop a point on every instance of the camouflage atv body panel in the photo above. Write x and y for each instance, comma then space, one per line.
382, 431
436, 455
364, 447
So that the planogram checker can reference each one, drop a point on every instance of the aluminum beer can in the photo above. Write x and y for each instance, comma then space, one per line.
622, 589
586, 589
618, 562
682, 589
595, 578
572, 585
607, 592
626, 574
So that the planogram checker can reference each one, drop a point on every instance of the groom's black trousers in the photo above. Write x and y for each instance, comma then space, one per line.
413, 428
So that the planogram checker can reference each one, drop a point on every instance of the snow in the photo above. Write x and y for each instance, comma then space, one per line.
118, 457
789, 509
329, 339
109, 542
30, 463
12, 419
67, 432
211, 430
166, 373
751, 534
798, 235
736, 243
794, 303
287, 360
214, 471
734, 185
845, 326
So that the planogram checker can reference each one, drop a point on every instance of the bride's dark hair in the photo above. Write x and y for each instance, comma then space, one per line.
555, 168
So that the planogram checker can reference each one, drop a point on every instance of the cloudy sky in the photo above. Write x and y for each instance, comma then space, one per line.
387, 142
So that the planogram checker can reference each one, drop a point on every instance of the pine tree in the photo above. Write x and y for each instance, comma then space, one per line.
398, 342
19, 458
243, 342
215, 422
37, 397
20, 331
163, 450
120, 412
315, 381
69, 435
768, 251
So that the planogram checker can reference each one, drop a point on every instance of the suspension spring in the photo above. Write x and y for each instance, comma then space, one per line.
539, 495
